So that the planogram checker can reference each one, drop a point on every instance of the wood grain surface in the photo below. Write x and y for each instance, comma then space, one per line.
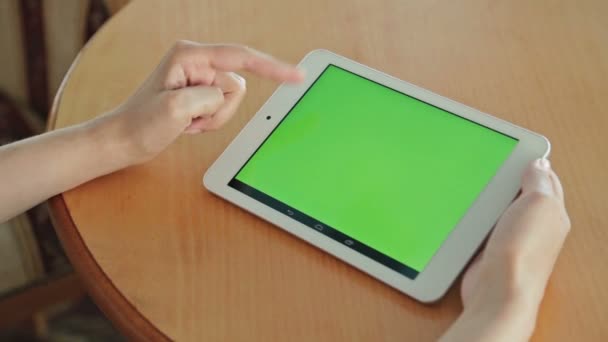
168, 259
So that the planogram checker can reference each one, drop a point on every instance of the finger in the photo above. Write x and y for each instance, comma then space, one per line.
226, 111
195, 102
234, 91
237, 57
198, 124
218, 119
229, 82
559, 190
233, 87
557, 185
536, 178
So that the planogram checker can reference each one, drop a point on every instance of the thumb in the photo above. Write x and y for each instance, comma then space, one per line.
537, 178
199, 102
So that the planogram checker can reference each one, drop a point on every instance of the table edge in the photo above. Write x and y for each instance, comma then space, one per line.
99, 286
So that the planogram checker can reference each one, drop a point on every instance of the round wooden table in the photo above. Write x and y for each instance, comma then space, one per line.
165, 259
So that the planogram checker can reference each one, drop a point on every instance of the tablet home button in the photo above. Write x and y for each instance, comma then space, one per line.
319, 226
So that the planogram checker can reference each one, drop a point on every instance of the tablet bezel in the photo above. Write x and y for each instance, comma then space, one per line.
462, 242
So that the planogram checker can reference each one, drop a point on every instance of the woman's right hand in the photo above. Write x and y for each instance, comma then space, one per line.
503, 287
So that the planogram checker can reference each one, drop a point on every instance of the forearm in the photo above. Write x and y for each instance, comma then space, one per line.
194, 89
40, 167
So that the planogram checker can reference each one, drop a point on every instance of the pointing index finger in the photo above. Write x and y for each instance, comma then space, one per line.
236, 57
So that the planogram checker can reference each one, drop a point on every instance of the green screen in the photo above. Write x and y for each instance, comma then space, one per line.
390, 171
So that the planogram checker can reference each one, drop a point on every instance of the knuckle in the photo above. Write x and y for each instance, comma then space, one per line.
245, 48
217, 93
250, 63
179, 49
543, 202
172, 103
223, 50
181, 44
235, 47
540, 198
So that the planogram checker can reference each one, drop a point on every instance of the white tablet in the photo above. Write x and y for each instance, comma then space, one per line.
395, 180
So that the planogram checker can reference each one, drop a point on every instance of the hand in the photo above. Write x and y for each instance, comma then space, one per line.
502, 289
193, 89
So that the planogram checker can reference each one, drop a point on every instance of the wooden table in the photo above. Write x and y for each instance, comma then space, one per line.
165, 259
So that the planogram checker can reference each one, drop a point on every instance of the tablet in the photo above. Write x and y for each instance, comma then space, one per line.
395, 180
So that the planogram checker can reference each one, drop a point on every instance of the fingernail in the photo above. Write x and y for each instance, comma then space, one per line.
240, 78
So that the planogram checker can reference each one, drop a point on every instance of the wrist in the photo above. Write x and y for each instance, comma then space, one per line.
109, 143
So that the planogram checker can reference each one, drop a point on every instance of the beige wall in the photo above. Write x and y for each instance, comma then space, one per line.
65, 25
12, 66
64, 28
